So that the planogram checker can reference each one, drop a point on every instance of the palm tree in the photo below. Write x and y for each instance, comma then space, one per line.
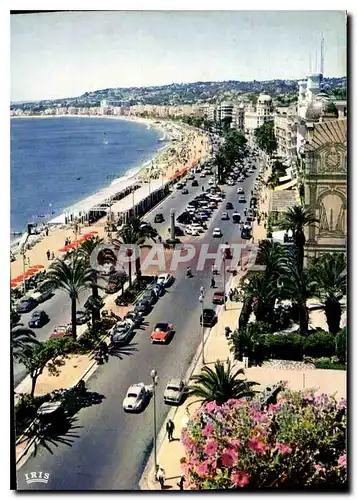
136, 232
221, 384
329, 275
296, 218
86, 251
73, 278
22, 337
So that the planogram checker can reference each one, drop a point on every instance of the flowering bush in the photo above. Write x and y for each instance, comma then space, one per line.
299, 442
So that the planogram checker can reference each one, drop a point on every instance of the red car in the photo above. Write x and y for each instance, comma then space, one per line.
61, 331
162, 333
218, 297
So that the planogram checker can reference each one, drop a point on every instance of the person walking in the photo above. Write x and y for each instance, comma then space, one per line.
48, 253
213, 283
203, 188
46, 231
230, 295
170, 427
160, 476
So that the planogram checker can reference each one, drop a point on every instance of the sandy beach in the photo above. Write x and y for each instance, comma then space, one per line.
175, 155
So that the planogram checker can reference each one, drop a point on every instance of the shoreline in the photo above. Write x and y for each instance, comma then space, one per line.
165, 162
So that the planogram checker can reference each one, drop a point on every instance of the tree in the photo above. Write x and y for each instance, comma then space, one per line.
86, 250
72, 278
265, 138
247, 342
330, 278
221, 384
22, 337
295, 219
136, 232
341, 345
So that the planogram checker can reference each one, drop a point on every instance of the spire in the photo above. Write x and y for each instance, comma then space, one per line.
322, 54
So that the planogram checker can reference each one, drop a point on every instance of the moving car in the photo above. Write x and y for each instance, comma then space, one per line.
26, 304
175, 391
224, 216
229, 206
61, 331
191, 177
165, 279
136, 398
211, 182
185, 191
209, 317
180, 185
240, 190
158, 218
202, 174
241, 199
236, 217
82, 316
217, 233
162, 333
246, 233
194, 183
218, 297
38, 319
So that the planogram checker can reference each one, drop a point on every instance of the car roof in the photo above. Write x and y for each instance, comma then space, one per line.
161, 325
218, 292
174, 381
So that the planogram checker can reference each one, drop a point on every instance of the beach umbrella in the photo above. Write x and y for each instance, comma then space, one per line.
17, 279
30, 272
38, 266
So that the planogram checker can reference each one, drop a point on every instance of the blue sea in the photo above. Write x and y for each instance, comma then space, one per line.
56, 162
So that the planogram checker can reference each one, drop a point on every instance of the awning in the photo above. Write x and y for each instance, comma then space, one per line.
287, 185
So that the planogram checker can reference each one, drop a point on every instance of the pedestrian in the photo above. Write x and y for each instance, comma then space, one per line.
46, 231
213, 283
160, 476
52, 256
231, 295
170, 427
69, 241
65, 242
181, 481
48, 253
203, 188
245, 212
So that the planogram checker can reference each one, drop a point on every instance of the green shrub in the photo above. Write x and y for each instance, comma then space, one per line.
287, 346
341, 345
319, 344
327, 364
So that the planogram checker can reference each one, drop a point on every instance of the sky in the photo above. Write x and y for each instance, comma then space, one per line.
64, 54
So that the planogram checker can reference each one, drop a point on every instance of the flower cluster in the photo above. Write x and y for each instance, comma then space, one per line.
298, 442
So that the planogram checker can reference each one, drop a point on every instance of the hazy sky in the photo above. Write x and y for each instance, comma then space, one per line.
65, 54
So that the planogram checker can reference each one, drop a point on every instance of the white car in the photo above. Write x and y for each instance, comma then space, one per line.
240, 190
197, 226
251, 171
202, 174
136, 398
165, 279
224, 216
241, 199
217, 233
175, 391
192, 231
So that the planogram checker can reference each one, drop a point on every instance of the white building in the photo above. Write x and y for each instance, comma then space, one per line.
256, 116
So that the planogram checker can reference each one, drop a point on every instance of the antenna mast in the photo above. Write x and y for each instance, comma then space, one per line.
322, 54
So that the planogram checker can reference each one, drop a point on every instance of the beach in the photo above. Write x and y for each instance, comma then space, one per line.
173, 157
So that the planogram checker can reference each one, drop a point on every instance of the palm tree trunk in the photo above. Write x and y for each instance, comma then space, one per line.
73, 316
303, 317
33, 386
333, 312
95, 312
130, 282
138, 269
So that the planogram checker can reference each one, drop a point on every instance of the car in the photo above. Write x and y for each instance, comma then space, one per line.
191, 177
217, 233
82, 316
162, 333
218, 297
175, 391
241, 199
151, 296
26, 304
158, 218
236, 217
194, 183
192, 231
184, 191
38, 319
211, 182
248, 224
122, 332
209, 317
136, 398
246, 233
180, 185
250, 215
250, 171
165, 279
61, 331
43, 292
143, 307
202, 174
229, 206
158, 289
230, 182
240, 190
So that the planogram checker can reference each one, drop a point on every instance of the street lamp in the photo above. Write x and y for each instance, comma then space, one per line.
155, 378
201, 299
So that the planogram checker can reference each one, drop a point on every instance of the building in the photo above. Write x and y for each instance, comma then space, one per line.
256, 116
238, 117
285, 130
325, 164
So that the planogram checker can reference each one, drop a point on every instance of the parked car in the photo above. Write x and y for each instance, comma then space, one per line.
165, 279
246, 233
122, 332
143, 307
218, 297
136, 398
26, 304
241, 199
158, 218
192, 231
175, 391
150, 296
38, 319
179, 185
217, 233
82, 316
229, 206
61, 331
209, 317
162, 333
236, 217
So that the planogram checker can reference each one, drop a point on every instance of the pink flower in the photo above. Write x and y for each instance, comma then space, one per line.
256, 445
207, 431
309, 397
210, 448
234, 443
320, 469
229, 457
283, 448
342, 461
259, 417
342, 404
240, 478
202, 469
211, 406
274, 408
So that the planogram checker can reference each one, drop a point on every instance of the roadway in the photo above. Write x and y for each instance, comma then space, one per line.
112, 447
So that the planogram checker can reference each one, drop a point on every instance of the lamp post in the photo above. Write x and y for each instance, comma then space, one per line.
155, 378
172, 223
224, 282
201, 299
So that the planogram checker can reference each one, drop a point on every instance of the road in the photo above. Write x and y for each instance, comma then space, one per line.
112, 447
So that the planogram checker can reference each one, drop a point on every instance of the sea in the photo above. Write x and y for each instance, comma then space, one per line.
56, 162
